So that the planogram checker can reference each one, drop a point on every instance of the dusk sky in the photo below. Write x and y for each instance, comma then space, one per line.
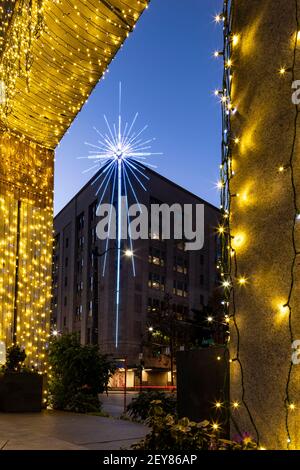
168, 75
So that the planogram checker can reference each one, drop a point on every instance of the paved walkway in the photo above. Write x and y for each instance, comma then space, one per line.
52, 430
113, 402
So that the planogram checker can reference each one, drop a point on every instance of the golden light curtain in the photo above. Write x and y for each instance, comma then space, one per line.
26, 180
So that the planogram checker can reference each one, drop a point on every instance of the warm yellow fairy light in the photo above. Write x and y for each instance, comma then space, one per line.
282, 70
215, 426
221, 229
218, 18
298, 36
281, 169
226, 284
229, 63
218, 404
209, 319
235, 404
220, 184
218, 358
292, 406
235, 39
284, 309
237, 140
242, 281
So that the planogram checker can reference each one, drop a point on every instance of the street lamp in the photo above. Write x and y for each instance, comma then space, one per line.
128, 253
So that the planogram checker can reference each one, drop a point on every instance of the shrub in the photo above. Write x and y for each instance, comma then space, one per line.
170, 434
139, 407
15, 357
79, 373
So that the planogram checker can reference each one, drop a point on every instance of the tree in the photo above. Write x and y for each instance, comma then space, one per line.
78, 374
167, 330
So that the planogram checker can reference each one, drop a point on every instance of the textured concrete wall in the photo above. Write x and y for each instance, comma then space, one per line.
263, 217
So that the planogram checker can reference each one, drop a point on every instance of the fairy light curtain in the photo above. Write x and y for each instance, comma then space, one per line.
52, 54
56, 52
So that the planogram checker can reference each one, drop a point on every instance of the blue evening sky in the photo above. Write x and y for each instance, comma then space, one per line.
168, 75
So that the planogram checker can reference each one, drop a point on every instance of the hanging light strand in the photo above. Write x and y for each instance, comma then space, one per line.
289, 406
228, 260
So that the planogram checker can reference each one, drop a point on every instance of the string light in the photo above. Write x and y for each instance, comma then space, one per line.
242, 281
282, 71
63, 49
235, 40
229, 243
296, 252
52, 54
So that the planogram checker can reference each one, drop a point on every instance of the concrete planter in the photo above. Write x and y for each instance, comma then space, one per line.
21, 392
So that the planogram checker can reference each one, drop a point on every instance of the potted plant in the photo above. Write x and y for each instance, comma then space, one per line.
21, 388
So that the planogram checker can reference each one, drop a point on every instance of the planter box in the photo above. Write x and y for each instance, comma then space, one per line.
201, 381
21, 392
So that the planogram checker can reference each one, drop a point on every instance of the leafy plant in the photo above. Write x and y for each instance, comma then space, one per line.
139, 407
79, 373
171, 434
15, 357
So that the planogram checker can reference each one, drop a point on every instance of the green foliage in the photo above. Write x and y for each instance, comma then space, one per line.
139, 407
15, 357
79, 374
170, 434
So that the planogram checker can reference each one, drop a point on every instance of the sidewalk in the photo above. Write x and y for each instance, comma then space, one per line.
53, 430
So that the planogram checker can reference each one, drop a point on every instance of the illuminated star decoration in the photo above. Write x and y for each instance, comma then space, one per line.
121, 153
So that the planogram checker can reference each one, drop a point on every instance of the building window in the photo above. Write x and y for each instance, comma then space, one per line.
79, 265
201, 280
180, 265
79, 286
201, 300
157, 257
93, 210
81, 242
180, 288
66, 262
65, 301
78, 313
80, 222
93, 235
67, 242
154, 305
201, 260
66, 281
90, 308
156, 281
180, 245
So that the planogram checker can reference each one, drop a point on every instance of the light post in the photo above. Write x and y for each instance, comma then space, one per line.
129, 254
